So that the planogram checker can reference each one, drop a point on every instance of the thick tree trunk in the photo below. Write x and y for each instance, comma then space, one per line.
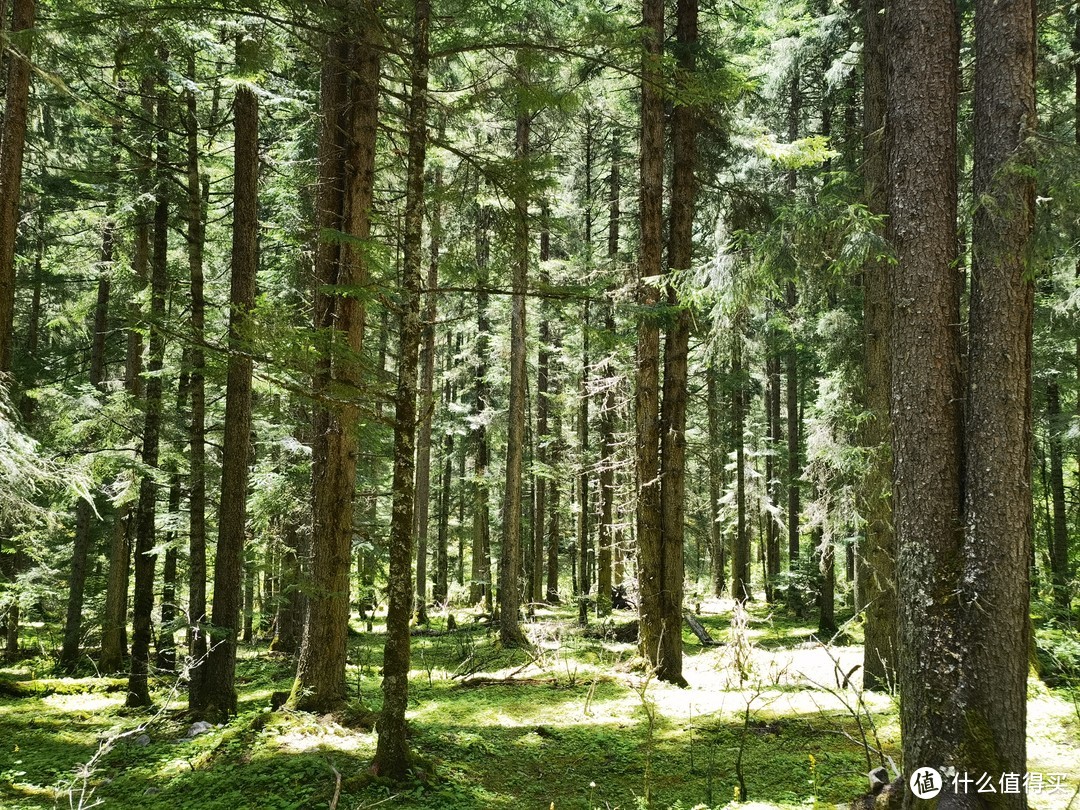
877, 551
11, 164
391, 753
926, 399
344, 200
145, 557
998, 520
655, 631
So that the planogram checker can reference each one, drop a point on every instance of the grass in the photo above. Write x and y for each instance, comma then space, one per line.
571, 729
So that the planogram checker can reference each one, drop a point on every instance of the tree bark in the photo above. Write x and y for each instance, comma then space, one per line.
480, 587
1059, 534
924, 291
11, 163
543, 405
995, 583
877, 552
510, 632
427, 408
344, 200
391, 753
232, 515
145, 557
441, 590
84, 509
717, 548
741, 589
197, 191
655, 629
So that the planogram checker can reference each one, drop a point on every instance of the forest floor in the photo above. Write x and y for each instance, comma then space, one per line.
572, 724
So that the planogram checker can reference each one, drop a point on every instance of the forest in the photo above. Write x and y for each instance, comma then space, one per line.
544, 404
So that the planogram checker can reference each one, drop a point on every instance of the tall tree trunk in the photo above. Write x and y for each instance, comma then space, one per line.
926, 400
441, 590
197, 190
741, 589
655, 634
232, 515
605, 540
166, 642
716, 481
772, 467
114, 625
480, 588
684, 126
84, 510
877, 551
345, 196
391, 753
995, 584
288, 624
427, 409
554, 533
11, 164
1059, 534
510, 632
543, 405
583, 539
145, 556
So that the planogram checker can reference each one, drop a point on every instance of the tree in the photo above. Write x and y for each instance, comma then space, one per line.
343, 206
510, 633
145, 517
11, 164
655, 630
877, 552
926, 401
997, 440
220, 696
391, 753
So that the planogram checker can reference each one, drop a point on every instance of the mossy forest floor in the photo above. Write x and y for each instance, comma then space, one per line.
575, 725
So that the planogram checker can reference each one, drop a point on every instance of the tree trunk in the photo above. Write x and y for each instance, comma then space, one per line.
655, 632
554, 533
391, 754
1059, 535
924, 293
510, 632
995, 583
543, 405
741, 589
197, 190
772, 466
427, 409
344, 199
166, 641
84, 509
716, 481
11, 164
232, 514
480, 588
145, 557
441, 591
877, 552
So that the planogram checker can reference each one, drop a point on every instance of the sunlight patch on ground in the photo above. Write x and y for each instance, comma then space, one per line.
318, 733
